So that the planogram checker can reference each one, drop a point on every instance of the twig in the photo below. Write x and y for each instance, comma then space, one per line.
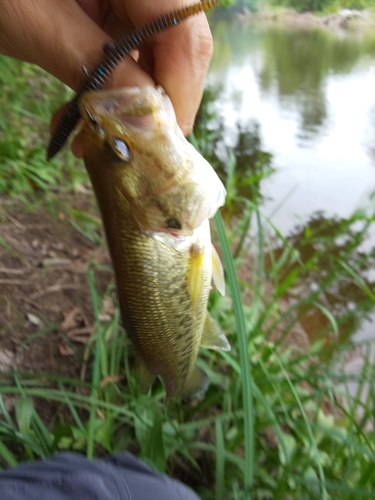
6, 270
55, 288
13, 220
33, 303
16, 282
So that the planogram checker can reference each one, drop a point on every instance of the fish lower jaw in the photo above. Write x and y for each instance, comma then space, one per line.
174, 240
183, 242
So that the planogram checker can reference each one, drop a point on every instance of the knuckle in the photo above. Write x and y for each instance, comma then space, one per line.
204, 46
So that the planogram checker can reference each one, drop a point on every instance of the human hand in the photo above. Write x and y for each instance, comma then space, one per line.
63, 36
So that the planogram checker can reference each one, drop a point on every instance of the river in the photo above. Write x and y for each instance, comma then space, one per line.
312, 92
309, 96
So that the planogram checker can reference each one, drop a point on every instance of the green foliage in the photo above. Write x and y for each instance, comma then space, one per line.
278, 420
251, 5
27, 100
325, 6
304, 5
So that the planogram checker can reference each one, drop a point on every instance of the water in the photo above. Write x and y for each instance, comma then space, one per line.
308, 98
312, 93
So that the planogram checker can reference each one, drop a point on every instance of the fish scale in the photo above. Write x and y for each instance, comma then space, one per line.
139, 257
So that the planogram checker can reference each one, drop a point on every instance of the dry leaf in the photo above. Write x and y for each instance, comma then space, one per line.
111, 379
55, 261
108, 310
73, 319
81, 335
65, 350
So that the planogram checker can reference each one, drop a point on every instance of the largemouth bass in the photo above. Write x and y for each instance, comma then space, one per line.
156, 194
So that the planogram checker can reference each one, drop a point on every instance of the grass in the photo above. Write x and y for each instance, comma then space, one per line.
28, 99
280, 420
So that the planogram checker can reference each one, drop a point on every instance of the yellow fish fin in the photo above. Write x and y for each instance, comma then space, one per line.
195, 275
212, 336
217, 271
197, 384
145, 377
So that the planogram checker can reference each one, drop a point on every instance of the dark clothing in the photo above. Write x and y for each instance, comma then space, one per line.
69, 476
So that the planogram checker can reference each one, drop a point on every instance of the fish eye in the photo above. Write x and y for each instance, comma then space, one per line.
173, 223
118, 150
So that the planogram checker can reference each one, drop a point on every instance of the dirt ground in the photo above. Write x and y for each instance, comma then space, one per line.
46, 312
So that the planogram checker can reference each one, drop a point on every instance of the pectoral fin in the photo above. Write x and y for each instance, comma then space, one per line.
197, 384
195, 276
145, 377
217, 271
213, 337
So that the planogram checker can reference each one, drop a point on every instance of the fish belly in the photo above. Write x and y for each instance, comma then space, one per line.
155, 297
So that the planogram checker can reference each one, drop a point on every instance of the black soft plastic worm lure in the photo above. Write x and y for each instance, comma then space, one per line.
114, 53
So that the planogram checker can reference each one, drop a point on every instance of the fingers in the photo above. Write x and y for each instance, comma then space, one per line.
181, 65
61, 38
181, 55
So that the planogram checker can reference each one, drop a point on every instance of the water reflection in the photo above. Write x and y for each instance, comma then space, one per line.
297, 69
298, 63
309, 92
335, 275
298, 103
243, 166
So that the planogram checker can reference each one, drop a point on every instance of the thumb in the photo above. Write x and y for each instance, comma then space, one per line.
62, 39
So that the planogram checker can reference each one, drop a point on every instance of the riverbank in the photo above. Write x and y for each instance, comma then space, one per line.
341, 19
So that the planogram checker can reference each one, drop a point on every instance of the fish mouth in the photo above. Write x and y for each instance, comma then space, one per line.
177, 241
181, 243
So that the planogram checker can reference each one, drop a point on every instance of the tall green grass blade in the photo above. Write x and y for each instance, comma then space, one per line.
273, 421
230, 457
4, 412
149, 434
73, 411
115, 353
220, 461
45, 437
246, 377
96, 370
24, 413
7, 455
324, 492
357, 279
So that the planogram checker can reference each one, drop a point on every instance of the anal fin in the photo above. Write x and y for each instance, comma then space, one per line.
145, 377
212, 336
197, 384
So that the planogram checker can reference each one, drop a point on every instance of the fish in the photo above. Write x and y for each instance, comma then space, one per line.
156, 194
